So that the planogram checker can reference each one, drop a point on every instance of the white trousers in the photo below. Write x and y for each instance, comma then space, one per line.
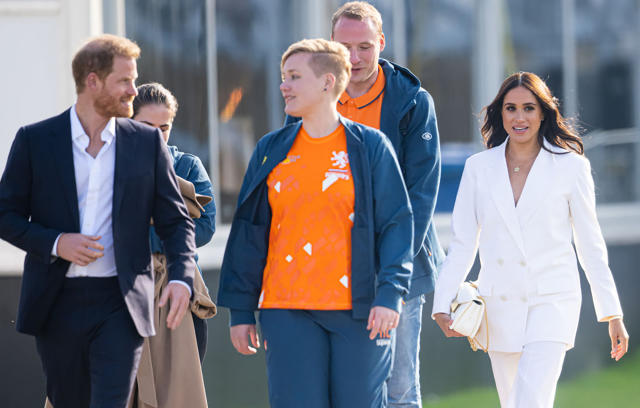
528, 379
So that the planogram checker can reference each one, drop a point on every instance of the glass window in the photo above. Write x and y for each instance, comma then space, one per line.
607, 44
439, 53
533, 40
606, 36
251, 37
439, 42
172, 37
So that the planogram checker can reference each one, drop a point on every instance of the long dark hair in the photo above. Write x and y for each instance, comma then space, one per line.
558, 131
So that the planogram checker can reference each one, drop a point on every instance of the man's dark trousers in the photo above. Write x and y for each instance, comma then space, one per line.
90, 323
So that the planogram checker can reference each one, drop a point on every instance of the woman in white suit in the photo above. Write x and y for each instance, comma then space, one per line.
520, 202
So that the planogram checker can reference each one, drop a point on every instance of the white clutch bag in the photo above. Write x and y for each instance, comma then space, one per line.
468, 311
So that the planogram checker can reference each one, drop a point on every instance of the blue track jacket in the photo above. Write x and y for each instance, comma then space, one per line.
190, 168
408, 119
381, 236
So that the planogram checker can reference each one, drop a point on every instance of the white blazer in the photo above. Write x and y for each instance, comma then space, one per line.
529, 274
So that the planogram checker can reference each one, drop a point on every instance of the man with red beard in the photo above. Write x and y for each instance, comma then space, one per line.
77, 194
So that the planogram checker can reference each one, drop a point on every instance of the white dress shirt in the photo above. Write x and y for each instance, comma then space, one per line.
94, 186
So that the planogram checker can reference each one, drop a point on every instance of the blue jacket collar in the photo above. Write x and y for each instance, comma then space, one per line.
285, 137
280, 142
401, 85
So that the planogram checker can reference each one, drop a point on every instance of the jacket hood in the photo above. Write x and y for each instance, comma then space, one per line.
401, 84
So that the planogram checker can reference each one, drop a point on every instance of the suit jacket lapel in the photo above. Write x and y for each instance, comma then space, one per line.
125, 158
502, 194
62, 153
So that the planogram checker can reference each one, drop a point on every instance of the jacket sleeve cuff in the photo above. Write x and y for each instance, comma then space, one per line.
389, 297
610, 317
237, 317
183, 284
436, 310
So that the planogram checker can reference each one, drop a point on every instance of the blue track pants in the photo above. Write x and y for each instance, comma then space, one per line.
323, 359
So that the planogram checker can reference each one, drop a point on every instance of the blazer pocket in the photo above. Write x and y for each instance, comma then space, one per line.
548, 286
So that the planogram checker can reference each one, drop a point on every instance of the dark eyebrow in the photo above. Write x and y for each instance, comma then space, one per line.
525, 104
164, 125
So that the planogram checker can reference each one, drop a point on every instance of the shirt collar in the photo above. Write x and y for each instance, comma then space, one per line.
77, 131
371, 95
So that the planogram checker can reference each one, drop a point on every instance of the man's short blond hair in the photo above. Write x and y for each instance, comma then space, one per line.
358, 10
97, 55
326, 57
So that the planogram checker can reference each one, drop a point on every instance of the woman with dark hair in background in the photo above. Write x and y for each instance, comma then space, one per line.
171, 360
520, 202
157, 107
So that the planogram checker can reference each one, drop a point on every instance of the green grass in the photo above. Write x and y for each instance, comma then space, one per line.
615, 386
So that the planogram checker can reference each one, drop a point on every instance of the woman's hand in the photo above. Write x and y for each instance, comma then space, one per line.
444, 321
619, 338
240, 335
381, 320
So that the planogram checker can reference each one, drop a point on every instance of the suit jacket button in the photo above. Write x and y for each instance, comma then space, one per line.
503, 298
500, 261
523, 263
524, 299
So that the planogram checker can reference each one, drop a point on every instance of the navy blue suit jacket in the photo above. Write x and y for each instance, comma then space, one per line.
38, 201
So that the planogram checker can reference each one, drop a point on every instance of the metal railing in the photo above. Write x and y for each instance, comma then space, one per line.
615, 161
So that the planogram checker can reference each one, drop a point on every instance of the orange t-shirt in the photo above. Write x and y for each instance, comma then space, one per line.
311, 195
365, 109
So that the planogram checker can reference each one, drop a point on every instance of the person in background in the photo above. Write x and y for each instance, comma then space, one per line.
182, 349
156, 106
389, 97
321, 243
521, 201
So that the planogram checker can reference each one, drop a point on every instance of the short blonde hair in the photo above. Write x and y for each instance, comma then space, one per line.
358, 10
97, 55
326, 57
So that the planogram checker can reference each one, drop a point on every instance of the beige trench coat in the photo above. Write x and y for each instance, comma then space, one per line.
169, 374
